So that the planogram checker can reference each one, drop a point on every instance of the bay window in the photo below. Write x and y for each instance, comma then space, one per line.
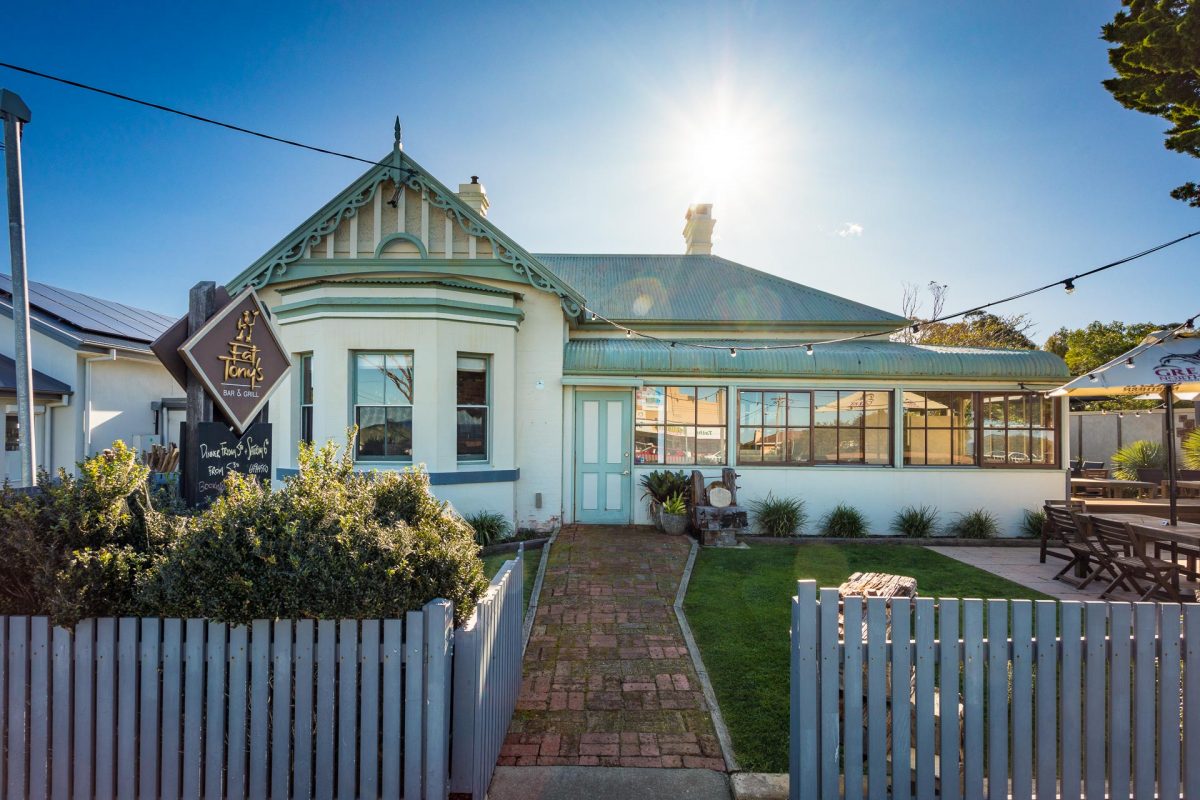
383, 400
680, 425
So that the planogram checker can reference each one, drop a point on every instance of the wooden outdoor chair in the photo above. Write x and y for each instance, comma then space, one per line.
1053, 542
1129, 556
1064, 530
1092, 491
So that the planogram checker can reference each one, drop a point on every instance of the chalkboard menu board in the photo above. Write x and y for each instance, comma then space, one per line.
222, 451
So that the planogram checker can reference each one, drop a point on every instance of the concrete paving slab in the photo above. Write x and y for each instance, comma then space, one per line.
759, 786
608, 783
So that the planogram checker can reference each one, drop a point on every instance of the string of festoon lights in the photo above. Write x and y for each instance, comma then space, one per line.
810, 347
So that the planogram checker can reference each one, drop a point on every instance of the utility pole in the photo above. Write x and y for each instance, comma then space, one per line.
15, 114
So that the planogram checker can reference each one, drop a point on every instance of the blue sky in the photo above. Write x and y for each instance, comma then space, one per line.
850, 146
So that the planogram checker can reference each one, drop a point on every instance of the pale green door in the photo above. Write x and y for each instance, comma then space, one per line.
602, 450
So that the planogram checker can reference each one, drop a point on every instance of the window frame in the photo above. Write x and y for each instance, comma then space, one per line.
306, 383
355, 405
812, 427
486, 406
979, 428
663, 424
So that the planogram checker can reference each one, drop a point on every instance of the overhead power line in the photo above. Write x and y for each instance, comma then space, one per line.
1067, 283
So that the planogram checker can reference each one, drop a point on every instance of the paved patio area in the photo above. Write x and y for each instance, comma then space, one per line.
607, 677
1021, 565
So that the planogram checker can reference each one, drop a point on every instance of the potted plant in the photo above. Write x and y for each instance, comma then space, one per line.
673, 515
660, 485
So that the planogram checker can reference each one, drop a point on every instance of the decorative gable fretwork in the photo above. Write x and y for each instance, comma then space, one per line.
372, 219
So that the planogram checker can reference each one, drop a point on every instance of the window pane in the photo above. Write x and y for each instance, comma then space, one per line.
750, 408
993, 412
914, 410
850, 445
680, 444
1041, 411
647, 444
1017, 417
372, 432
306, 382
750, 445
824, 408
775, 408
799, 409
773, 440
850, 408
914, 446
877, 409
1018, 447
825, 445
877, 446
710, 406
963, 406
649, 405
1042, 448
399, 385
798, 445
472, 434
995, 450
399, 432
306, 424
938, 446
369, 380
710, 445
472, 381
681, 404
964, 446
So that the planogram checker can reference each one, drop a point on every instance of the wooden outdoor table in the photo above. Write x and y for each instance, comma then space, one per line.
1111, 485
1186, 488
1181, 539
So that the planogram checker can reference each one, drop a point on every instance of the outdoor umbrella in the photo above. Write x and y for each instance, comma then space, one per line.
1166, 364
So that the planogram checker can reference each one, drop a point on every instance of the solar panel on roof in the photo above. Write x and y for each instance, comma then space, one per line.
93, 314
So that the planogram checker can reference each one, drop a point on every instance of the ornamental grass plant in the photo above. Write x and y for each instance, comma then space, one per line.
915, 522
779, 516
844, 521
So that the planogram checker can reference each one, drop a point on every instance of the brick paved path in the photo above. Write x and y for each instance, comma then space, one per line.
607, 677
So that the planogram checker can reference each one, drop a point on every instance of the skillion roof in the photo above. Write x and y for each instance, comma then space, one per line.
699, 288
85, 319
867, 358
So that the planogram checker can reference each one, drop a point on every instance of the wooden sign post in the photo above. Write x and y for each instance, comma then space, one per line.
201, 306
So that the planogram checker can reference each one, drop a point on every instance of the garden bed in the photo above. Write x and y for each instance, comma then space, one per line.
738, 607
931, 541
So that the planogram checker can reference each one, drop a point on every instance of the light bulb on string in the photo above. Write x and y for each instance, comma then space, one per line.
733, 352
628, 333
1092, 376
808, 349
1069, 285
1129, 362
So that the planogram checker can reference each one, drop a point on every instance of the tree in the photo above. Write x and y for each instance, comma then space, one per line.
978, 329
1098, 343
1157, 60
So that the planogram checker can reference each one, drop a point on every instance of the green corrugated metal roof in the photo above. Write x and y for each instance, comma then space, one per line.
860, 359
699, 288
450, 283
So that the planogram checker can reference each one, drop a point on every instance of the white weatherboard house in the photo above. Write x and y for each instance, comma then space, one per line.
450, 345
95, 379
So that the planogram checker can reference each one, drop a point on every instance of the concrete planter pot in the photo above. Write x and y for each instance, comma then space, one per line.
673, 524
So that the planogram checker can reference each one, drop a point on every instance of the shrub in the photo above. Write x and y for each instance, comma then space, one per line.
331, 543
83, 546
977, 524
845, 521
1189, 450
674, 505
489, 526
916, 522
662, 484
1032, 522
782, 516
1142, 453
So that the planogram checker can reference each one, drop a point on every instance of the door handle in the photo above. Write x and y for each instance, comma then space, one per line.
626, 472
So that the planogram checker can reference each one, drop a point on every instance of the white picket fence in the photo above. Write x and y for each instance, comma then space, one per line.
488, 650
1081, 699
188, 708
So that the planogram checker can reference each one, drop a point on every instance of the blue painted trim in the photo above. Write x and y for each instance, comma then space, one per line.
440, 478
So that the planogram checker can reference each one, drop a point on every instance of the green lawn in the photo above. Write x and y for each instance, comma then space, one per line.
492, 564
738, 606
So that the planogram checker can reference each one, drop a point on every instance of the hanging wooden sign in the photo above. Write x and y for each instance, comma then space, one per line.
238, 357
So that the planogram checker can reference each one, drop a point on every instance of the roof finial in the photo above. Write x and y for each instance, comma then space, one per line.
399, 143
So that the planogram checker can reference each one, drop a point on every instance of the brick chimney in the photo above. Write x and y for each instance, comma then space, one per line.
697, 230
474, 195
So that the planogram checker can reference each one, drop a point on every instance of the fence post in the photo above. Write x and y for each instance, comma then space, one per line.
464, 705
805, 691
439, 637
